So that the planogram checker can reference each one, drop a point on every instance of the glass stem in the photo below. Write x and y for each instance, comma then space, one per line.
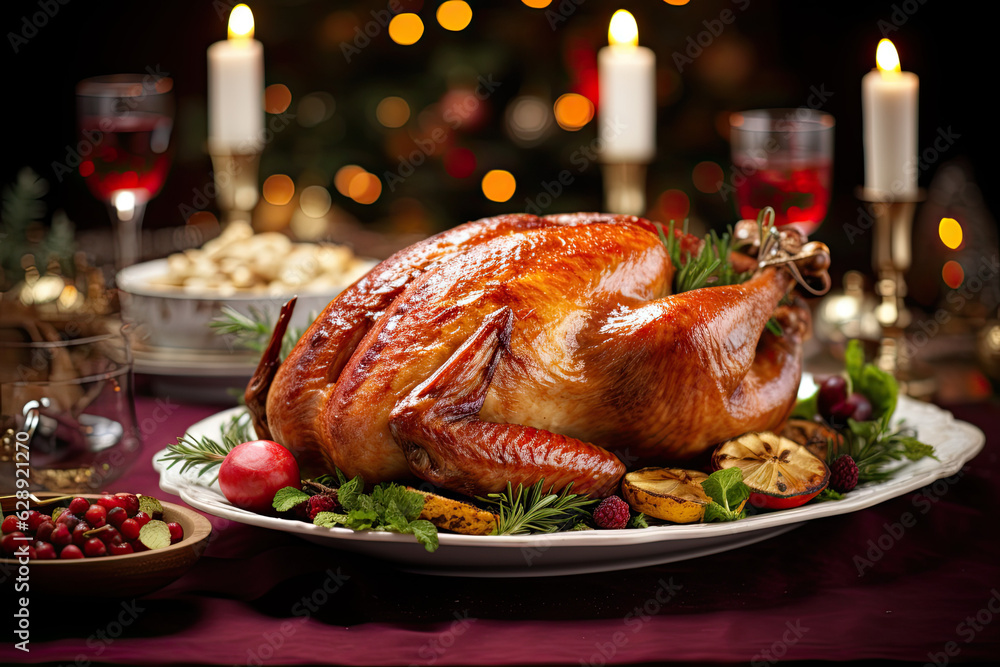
126, 218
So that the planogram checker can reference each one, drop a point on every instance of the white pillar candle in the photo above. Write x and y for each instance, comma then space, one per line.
889, 106
236, 88
627, 105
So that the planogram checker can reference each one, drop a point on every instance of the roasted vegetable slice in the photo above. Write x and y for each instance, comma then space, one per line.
780, 473
455, 515
670, 494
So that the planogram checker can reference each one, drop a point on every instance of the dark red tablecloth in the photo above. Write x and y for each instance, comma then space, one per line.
929, 593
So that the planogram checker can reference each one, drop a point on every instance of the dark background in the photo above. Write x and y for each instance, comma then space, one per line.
773, 54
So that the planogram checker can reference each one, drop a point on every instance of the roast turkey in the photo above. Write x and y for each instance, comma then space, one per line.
519, 348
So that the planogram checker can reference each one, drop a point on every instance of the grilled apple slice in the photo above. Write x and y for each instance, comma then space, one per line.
670, 494
780, 473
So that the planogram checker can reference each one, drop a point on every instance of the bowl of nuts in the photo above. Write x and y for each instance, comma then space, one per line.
173, 300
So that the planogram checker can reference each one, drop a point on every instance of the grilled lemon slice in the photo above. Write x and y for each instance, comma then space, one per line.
780, 473
670, 494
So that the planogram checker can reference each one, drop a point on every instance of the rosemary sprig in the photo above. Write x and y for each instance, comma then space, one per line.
205, 451
533, 510
710, 267
874, 447
253, 331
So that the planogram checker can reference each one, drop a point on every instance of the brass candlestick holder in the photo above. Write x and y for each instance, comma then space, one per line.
891, 258
625, 188
236, 173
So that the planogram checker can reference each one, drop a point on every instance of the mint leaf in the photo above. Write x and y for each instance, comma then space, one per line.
716, 513
287, 498
330, 519
349, 492
806, 408
362, 519
726, 488
426, 534
828, 494
915, 450
638, 521
854, 361
880, 388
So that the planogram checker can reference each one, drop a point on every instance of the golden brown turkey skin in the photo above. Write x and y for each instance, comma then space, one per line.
524, 348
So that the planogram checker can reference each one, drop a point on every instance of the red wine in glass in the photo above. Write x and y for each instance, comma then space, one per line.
798, 191
131, 153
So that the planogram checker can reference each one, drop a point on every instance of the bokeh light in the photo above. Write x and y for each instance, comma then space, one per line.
454, 15
499, 185
707, 177
342, 180
203, 218
952, 274
676, 3
674, 205
365, 188
315, 201
278, 189
393, 111
950, 232
460, 162
527, 119
277, 97
537, 4
573, 111
406, 29
315, 108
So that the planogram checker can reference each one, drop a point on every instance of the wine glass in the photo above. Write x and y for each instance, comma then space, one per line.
125, 120
783, 158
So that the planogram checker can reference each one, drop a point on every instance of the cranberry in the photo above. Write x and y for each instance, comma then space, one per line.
32, 553
110, 502
96, 516
120, 549
9, 524
176, 532
32, 519
12, 541
60, 536
45, 551
44, 531
71, 551
138, 546
130, 502
130, 529
78, 506
855, 407
832, 390
81, 528
117, 516
93, 548
108, 534
142, 518
67, 519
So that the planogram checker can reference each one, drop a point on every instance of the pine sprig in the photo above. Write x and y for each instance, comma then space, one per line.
533, 510
253, 331
206, 452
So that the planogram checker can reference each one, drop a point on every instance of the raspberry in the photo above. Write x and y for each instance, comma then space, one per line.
843, 474
613, 512
320, 503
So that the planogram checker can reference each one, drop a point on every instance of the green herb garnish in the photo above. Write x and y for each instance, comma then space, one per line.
533, 510
253, 331
728, 493
205, 451
288, 497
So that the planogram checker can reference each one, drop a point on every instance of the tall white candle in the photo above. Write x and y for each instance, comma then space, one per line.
236, 87
889, 106
627, 79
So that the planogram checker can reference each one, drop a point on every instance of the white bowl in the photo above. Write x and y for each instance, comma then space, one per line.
171, 317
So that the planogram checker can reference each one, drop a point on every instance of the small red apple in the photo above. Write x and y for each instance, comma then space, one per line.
254, 471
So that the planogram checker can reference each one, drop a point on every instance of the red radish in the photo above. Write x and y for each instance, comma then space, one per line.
253, 472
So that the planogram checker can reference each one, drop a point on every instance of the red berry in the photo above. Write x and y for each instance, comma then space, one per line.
843, 474
93, 548
117, 516
108, 534
32, 518
613, 512
71, 551
119, 549
832, 390
130, 502
78, 506
96, 516
130, 529
60, 536
138, 546
9, 524
45, 550
254, 471
44, 531
176, 532
68, 519
32, 553
320, 503
142, 518
78, 538
12, 541
110, 502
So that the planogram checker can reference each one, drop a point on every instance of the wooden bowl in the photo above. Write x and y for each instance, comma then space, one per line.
128, 575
